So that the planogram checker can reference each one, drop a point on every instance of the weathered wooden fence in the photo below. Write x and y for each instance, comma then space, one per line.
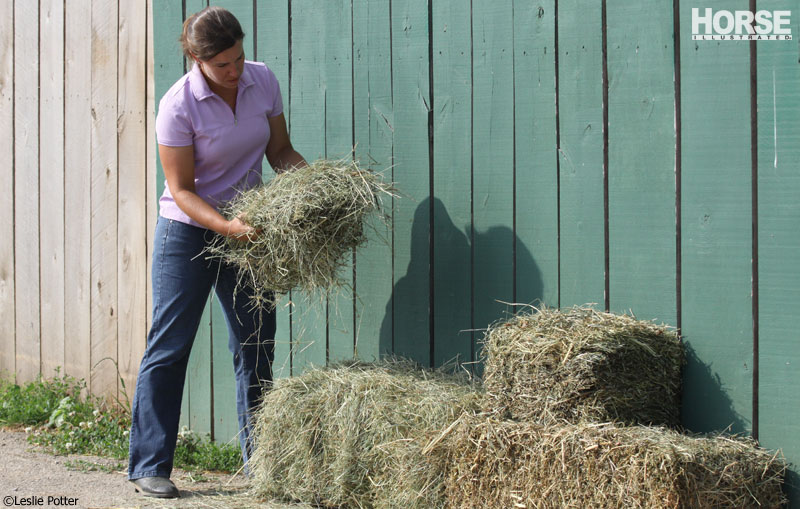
75, 170
556, 151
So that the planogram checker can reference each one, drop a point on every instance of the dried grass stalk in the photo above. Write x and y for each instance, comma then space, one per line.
506, 464
352, 435
580, 364
310, 219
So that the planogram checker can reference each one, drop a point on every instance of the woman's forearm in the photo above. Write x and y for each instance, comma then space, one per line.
288, 158
207, 216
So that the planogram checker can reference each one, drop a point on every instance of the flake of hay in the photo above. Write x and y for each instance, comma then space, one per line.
580, 364
352, 435
309, 221
505, 464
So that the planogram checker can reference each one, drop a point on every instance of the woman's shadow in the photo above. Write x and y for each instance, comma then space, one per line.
471, 284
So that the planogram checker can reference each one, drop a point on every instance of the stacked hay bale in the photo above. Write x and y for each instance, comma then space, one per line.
352, 435
580, 364
508, 464
567, 397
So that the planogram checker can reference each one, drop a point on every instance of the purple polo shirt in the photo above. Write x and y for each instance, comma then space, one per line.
228, 148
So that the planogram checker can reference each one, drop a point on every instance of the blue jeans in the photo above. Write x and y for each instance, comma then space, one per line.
182, 281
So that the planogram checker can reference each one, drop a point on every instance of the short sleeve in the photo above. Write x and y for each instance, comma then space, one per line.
173, 128
277, 100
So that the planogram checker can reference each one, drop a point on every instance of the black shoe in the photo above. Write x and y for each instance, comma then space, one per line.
159, 487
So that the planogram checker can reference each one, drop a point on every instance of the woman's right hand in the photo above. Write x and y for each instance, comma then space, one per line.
240, 230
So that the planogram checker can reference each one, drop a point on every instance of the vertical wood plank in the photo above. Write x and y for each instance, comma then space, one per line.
641, 173
7, 308
582, 265
199, 376
168, 67
272, 48
77, 186
104, 198
338, 145
132, 238
243, 10
778, 245
226, 424
151, 167
716, 227
51, 221
492, 153
412, 217
452, 256
536, 213
309, 54
374, 114
26, 188
199, 371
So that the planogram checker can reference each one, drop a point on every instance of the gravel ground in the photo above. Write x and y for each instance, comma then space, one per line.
30, 477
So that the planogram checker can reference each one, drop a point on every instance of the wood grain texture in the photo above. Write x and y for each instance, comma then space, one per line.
104, 214
536, 212
452, 114
168, 67
374, 117
26, 190
51, 220
309, 56
243, 10
132, 205
223, 392
716, 236
272, 46
412, 214
151, 168
338, 69
7, 294
198, 374
77, 189
580, 99
493, 158
641, 173
778, 244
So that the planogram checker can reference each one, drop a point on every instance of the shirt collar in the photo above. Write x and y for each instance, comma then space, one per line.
199, 85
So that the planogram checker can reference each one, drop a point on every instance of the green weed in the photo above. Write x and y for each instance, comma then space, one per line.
34, 402
197, 452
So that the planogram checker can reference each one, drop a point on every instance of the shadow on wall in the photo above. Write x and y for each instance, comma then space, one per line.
708, 407
466, 293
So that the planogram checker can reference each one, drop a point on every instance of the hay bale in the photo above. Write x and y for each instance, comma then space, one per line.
309, 221
506, 464
579, 364
352, 435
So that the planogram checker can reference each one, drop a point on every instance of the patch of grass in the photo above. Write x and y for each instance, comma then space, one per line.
34, 402
198, 452
58, 418
80, 427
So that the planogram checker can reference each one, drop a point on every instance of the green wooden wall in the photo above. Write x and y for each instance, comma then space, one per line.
552, 151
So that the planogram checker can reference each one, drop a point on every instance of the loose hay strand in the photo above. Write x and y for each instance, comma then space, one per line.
308, 221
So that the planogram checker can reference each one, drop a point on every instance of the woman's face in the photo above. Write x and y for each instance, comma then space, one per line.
225, 68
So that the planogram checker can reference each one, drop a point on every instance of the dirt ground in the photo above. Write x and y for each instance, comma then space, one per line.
30, 477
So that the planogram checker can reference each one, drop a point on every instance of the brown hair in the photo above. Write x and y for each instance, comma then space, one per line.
209, 32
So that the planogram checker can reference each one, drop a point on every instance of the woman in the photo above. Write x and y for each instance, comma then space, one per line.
213, 127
